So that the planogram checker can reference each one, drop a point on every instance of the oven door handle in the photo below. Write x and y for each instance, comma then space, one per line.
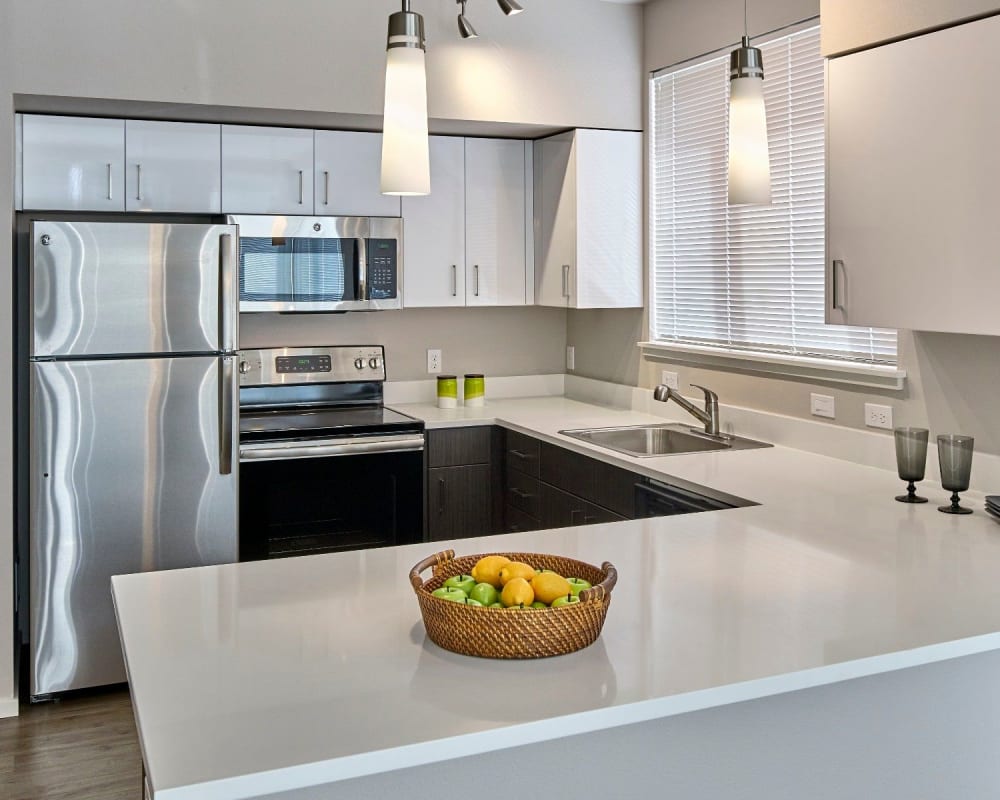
325, 448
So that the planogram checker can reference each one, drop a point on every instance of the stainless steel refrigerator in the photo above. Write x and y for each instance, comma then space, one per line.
133, 463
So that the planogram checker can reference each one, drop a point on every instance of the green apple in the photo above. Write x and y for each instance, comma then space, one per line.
496, 605
450, 593
485, 593
566, 601
470, 602
538, 604
463, 582
577, 585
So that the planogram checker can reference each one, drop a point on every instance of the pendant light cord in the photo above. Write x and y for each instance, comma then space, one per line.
746, 26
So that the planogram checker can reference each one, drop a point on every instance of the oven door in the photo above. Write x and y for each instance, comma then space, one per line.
302, 264
303, 498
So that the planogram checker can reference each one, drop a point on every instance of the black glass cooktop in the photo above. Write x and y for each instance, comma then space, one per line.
324, 422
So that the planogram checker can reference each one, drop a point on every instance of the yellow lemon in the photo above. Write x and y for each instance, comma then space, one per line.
487, 570
547, 586
516, 569
517, 592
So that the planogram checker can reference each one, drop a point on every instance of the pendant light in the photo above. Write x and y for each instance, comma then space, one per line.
749, 161
405, 144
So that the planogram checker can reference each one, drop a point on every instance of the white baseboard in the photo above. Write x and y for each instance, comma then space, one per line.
425, 391
871, 448
8, 707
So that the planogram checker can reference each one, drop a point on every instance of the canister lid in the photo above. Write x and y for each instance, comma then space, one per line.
474, 375
447, 377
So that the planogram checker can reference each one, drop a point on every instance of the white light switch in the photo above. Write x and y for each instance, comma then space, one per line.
822, 405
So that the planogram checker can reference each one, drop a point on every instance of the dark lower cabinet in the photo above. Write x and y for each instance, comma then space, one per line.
459, 502
561, 510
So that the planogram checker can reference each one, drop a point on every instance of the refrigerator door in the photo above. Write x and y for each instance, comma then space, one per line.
132, 288
133, 468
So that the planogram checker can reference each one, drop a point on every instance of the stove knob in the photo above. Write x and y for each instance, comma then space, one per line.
359, 363
374, 363
244, 367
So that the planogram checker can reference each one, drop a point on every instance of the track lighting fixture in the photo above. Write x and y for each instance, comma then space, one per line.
509, 7
465, 28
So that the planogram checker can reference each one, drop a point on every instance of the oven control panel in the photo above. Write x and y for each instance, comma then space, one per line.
291, 365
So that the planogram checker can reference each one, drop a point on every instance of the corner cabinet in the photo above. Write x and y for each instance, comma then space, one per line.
588, 219
912, 173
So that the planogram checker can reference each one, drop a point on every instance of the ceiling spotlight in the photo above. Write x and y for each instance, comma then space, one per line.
510, 7
464, 26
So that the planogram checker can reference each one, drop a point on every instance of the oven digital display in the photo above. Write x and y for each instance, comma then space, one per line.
302, 364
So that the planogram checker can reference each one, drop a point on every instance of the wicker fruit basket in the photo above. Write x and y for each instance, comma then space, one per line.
507, 633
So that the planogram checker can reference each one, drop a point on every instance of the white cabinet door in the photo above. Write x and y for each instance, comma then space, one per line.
173, 166
73, 163
348, 176
434, 231
267, 170
913, 170
494, 222
555, 219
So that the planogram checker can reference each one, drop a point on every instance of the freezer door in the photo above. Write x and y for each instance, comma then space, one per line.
121, 288
133, 468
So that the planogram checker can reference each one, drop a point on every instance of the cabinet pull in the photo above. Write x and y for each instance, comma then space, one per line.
326, 188
565, 279
440, 495
301, 187
454, 280
520, 493
475, 279
138, 181
588, 519
519, 454
835, 304
110, 185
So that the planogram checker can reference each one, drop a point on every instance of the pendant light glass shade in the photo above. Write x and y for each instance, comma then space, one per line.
749, 160
405, 144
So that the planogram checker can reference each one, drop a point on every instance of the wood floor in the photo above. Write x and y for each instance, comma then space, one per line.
81, 748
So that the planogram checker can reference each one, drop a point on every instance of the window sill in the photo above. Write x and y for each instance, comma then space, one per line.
877, 376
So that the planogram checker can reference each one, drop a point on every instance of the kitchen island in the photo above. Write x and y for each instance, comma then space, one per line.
827, 642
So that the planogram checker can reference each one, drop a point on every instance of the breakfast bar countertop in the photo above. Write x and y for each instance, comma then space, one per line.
257, 678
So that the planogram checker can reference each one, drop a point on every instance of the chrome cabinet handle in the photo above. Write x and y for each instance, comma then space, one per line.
226, 414
301, 187
475, 277
110, 184
454, 280
519, 454
520, 493
440, 495
326, 188
138, 181
565, 279
838, 266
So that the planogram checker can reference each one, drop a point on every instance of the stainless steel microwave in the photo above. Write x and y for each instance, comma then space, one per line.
310, 264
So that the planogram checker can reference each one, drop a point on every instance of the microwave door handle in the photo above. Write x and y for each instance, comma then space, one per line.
362, 257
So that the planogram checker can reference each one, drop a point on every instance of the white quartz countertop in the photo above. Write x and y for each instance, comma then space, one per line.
271, 676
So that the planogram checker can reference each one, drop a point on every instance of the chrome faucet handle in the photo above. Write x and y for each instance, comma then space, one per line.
710, 396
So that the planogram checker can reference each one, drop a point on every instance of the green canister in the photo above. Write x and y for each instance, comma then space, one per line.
447, 391
475, 390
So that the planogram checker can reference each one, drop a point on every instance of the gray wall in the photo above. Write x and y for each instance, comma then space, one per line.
953, 381
496, 341
563, 64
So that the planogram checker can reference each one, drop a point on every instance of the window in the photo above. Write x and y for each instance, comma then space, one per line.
746, 278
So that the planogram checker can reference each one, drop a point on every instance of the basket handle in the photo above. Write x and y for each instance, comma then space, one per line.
435, 560
603, 589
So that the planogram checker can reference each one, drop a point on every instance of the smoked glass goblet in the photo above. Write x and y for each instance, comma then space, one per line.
911, 459
955, 458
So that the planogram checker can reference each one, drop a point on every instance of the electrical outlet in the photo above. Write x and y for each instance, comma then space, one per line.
433, 362
669, 379
822, 405
877, 416
571, 357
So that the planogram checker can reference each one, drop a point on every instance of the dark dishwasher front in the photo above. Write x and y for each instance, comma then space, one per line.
655, 499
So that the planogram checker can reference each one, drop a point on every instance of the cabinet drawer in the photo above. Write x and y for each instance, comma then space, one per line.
516, 521
522, 491
605, 485
561, 509
452, 447
522, 453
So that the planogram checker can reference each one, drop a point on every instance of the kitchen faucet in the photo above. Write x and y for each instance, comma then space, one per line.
709, 417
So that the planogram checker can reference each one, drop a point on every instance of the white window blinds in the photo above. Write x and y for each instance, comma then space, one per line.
746, 278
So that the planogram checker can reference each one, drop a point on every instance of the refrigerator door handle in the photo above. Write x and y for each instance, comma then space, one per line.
226, 414
228, 319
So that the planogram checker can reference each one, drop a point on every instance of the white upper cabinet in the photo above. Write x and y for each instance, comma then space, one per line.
588, 219
348, 176
912, 173
495, 200
73, 163
173, 166
267, 170
434, 231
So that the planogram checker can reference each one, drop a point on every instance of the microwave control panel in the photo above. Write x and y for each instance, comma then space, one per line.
382, 268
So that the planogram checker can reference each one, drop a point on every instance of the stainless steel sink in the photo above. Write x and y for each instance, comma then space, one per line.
667, 439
